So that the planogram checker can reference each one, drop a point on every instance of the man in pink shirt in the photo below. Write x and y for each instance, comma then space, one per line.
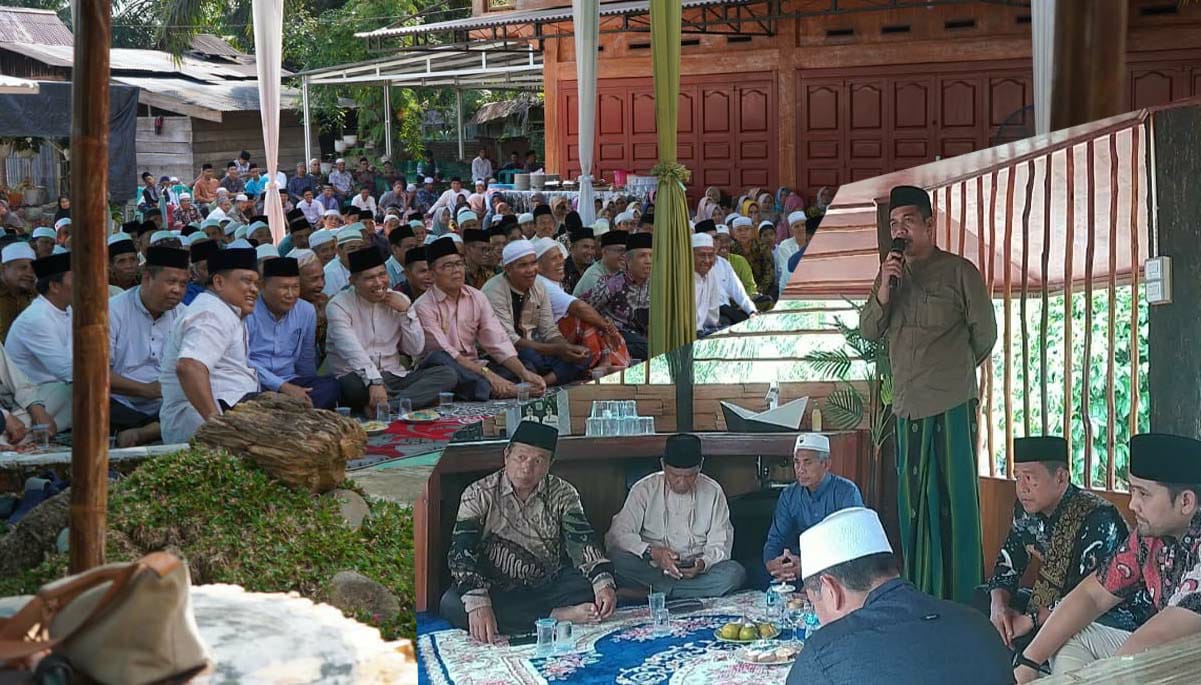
370, 327
456, 318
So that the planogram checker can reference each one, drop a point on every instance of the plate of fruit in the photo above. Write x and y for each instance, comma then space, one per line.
746, 631
767, 653
421, 416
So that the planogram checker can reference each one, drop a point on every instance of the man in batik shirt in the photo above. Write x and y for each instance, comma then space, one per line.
1161, 560
1070, 531
625, 297
522, 548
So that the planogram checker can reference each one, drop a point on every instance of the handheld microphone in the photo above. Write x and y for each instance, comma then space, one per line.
898, 246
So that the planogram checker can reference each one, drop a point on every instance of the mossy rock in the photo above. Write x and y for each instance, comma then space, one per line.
235, 524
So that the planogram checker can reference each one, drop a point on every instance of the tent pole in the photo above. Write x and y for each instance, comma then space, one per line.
388, 122
89, 296
308, 131
459, 120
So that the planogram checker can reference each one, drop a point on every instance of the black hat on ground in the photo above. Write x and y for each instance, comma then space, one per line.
536, 434
640, 241
53, 265
233, 258
1040, 448
1161, 457
905, 196
440, 248
683, 451
475, 235
203, 250
615, 238
281, 266
366, 258
400, 233
171, 257
705, 226
121, 247
417, 254
540, 210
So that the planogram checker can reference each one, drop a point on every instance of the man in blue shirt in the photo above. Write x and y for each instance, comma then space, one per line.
283, 338
878, 628
199, 253
816, 494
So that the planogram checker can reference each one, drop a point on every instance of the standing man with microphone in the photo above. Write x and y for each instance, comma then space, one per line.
937, 316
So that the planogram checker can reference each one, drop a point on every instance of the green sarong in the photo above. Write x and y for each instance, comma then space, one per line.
938, 494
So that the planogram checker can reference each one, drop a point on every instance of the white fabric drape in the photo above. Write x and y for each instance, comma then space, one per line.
268, 51
586, 16
1043, 34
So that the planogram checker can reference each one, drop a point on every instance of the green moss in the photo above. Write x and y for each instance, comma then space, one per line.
234, 524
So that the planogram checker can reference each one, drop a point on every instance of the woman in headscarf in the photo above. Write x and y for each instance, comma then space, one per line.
753, 212
441, 222
559, 209
825, 195
767, 206
476, 202
792, 203
704, 209
759, 255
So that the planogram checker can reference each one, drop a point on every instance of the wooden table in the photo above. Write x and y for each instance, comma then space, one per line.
598, 469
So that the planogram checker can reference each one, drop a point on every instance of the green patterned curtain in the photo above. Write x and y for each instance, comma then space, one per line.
673, 305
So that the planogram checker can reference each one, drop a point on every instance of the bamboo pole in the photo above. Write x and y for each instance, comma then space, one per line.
1134, 272
935, 210
1070, 229
982, 371
1007, 250
962, 219
1025, 292
1046, 265
1086, 417
992, 283
1111, 330
89, 300
947, 196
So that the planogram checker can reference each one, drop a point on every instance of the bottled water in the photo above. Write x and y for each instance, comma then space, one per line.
811, 624
773, 395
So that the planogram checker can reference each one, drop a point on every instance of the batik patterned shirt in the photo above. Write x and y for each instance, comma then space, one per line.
1079, 536
501, 543
623, 302
1165, 571
763, 265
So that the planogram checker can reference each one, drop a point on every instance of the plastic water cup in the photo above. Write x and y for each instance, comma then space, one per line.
656, 601
629, 408
446, 399
564, 641
629, 425
344, 411
662, 622
404, 407
593, 427
383, 412
545, 629
523, 393
41, 434
646, 425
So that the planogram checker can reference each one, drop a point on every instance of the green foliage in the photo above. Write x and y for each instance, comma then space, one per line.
234, 524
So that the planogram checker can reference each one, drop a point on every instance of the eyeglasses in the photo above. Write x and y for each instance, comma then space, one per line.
452, 266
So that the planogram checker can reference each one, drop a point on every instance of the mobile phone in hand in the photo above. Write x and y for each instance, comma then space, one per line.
686, 563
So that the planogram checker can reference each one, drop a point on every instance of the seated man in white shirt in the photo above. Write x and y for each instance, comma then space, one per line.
706, 285
140, 319
799, 224
205, 364
731, 286
20, 405
673, 534
337, 271
39, 342
370, 327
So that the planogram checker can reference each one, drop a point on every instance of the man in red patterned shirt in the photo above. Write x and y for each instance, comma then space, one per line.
1162, 558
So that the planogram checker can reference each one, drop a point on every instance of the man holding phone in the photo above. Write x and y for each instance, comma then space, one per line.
816, 494
937, 315
674, 534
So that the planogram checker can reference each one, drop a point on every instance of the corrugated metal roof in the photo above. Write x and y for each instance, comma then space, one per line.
230, 96
208, 44
41, 27
11, 85
125, 59
526, 17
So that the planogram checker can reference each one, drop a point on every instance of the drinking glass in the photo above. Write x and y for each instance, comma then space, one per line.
593, 427
404, 407
646, 425
446, 399
662, 622
657, 601
629, 425
344, 411
630, 408
612, 426
564, 644
795, 618
523, 393
545, 628
383, 412
41, 435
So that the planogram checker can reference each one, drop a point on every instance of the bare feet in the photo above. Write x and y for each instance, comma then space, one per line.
139, 436
580, 613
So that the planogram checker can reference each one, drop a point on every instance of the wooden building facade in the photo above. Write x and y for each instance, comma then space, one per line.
836, 96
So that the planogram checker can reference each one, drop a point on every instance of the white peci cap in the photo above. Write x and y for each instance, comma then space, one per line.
43, 232
797, 217
525, 218
65, 221
428, 181
812, 441
845, 535
723, 229
543, 245
241, 197
742, 221
701, 240
321, 237
161, 235
14, 251
516, 250
267, 250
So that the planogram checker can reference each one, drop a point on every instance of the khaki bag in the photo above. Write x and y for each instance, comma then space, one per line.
118, 624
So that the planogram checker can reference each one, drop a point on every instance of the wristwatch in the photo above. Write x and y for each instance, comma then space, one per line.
375, 381
1019, 659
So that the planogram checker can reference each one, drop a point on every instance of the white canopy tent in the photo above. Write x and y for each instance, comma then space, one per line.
493, 66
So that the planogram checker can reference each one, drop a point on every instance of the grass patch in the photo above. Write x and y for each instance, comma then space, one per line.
234, 524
